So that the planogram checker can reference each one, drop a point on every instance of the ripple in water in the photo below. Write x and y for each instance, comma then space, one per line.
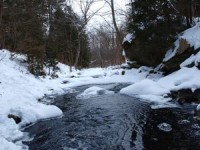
165, 127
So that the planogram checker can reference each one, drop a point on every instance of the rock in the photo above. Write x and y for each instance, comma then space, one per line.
65, 82
196, 94
197, 112
186, 96
174, 63
183, 46
16, 118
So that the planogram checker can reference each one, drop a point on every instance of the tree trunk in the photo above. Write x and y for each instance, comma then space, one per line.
1, 28
119, 59
78, 52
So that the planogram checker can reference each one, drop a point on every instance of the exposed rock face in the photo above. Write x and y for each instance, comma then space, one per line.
186, 96
183, 46
183, 52
16, 118
134, 54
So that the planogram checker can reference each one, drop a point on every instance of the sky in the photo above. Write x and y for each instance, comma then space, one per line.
104, 15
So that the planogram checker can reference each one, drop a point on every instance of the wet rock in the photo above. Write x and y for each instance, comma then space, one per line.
123, 72
65, 82
16, 118
186, 95
197, 94
197, 112
134, 65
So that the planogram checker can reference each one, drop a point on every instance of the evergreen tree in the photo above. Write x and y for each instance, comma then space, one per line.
46, 31
155, 24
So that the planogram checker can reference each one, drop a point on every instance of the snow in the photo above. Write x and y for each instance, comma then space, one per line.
188, 61
192, 59
144, 87
93, 92
129, 37
191, 35
19, 91
198, 107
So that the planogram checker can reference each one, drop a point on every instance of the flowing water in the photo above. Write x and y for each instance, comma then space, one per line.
114, 122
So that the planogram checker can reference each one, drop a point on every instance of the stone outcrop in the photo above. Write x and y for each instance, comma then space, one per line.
183, 52
183, 46
186, 96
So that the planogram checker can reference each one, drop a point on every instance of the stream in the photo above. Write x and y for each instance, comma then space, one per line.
115, 122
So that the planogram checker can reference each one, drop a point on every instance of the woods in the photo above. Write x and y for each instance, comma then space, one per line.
155, 25
46, 31
50, 31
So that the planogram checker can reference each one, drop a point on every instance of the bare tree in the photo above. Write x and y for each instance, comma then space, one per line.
86, 15
119, 35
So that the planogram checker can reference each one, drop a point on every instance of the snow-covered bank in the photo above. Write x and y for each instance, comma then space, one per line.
191, 35
19, 91
184, 78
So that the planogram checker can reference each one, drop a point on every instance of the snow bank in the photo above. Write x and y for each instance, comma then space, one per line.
185, 78
192, 36
144, 87
19, 91
148, 90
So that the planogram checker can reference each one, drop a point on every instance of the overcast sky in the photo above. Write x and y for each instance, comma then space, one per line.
98, 19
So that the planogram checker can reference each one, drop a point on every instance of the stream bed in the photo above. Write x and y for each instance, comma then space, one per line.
115, 122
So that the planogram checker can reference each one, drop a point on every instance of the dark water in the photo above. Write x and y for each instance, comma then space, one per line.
113, 122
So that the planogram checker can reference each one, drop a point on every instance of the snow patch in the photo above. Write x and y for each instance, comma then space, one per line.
129, 37
93, 92
145, 87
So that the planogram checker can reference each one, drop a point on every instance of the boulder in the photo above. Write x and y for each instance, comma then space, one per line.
174, 63
17, 119
186, 96
183, 46
183, 52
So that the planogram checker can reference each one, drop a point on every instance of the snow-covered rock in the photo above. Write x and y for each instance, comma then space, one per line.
191, 35
145, 87
93, 92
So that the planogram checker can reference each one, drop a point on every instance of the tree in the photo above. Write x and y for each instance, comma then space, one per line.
102, 46
85, 7
155, 24
119, 33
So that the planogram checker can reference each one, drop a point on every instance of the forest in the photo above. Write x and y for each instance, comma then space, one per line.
50, 31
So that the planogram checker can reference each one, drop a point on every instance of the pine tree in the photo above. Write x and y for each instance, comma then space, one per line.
155, 24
